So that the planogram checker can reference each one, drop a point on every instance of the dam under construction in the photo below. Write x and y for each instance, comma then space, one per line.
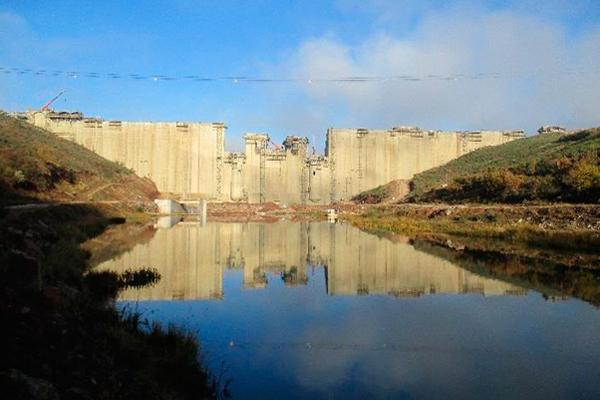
188, 160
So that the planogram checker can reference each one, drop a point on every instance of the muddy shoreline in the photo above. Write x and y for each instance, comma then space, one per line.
576, 217
564, 233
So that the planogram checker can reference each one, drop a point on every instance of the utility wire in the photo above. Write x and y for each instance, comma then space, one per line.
311, 80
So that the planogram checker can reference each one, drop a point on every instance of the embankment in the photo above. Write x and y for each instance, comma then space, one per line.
550, 167
553, 279
566, 233
63, 337
38, 166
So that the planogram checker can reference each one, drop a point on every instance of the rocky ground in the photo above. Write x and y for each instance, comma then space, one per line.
545, 216
565, 233
548, 217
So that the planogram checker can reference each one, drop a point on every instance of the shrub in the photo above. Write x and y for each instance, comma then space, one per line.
373, 196
18, 177
552, 167
494, 185
583, 177
566, 178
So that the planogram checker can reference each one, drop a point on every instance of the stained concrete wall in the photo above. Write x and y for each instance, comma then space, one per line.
274, 174
192, 258
361, 159
181, 158
188, 159
319, 180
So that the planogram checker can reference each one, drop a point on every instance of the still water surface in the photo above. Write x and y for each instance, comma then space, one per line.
318, 310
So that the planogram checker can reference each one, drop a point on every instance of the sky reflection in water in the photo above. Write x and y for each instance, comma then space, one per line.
297, 310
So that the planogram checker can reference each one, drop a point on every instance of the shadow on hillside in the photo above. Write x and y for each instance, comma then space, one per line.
63, 337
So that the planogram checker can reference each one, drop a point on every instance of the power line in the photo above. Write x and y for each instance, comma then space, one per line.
310, 80
317, 346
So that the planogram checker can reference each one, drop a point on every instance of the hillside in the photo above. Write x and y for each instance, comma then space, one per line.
391, 192
63, 336
36, 165
547, 167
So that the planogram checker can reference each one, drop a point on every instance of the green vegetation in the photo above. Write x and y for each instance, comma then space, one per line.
36, 164
547, 167
553, 279
62, 333
373, 196
391, 192
33, 158
63, 337
483, 224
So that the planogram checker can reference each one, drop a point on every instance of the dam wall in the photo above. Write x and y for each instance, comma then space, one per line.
188, 160
193, 258
181, 158
361, 159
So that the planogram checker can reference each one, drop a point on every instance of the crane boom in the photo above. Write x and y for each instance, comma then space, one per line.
275, 145
49, 103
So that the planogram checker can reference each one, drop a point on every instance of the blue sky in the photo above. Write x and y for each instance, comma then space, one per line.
547, 53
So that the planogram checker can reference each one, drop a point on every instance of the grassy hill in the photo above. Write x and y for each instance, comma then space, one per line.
390, 192
547, 167
38, 165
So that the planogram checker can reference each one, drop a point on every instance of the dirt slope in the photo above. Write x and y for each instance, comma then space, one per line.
391, 192
547, 167
36, 165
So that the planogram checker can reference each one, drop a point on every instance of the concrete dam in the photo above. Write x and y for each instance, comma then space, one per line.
189, 161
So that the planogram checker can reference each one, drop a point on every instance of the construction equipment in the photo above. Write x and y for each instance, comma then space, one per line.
275, 145
49, 103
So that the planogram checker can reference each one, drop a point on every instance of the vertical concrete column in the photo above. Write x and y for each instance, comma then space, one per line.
203, 211
254, 171
236, 180
332, 165
220, 152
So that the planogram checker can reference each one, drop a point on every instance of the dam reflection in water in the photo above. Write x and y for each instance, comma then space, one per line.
191, 259
318, 310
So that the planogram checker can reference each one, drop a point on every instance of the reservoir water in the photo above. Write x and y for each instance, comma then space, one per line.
325, 311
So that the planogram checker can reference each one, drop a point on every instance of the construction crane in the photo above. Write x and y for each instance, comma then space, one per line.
275, 145
49, 103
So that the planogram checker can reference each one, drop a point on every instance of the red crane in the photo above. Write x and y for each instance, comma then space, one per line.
48, 104
275, 145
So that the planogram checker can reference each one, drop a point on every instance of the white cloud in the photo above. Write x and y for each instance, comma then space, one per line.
534, 57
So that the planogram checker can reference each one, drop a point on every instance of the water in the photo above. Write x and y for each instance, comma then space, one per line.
319, 310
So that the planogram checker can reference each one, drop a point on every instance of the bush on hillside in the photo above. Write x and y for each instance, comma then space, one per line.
549, 167
373, 196
583, 177
568, 178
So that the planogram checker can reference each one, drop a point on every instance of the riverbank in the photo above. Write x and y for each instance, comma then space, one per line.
564, 232
64, 338
77, 345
